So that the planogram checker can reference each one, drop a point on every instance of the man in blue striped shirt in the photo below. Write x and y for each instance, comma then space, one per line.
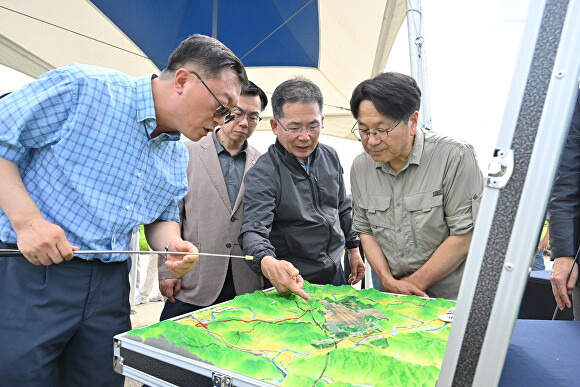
87, 154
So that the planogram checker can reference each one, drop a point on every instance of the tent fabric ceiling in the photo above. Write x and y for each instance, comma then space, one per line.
335, 43
295, 44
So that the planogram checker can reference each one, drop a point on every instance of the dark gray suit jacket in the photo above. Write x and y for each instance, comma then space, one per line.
565, 202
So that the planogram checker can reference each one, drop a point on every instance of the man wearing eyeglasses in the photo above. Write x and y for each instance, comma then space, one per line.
212, 211
416, 193
86, 155
297, 217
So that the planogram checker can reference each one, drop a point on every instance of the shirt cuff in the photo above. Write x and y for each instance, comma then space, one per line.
459, 224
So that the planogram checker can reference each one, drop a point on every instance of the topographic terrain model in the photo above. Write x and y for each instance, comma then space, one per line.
343, 337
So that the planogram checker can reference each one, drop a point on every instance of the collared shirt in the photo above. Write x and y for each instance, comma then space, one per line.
232, 167
81, 138
411, 212
307, 165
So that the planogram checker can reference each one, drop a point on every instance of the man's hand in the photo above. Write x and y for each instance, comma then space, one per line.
402, 286
284, 276
43, 243
357, 266
169, 287
181, 264
560, 287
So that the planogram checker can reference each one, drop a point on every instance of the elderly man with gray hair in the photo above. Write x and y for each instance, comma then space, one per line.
297, 217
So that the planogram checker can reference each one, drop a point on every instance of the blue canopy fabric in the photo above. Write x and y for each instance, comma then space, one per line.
158, 27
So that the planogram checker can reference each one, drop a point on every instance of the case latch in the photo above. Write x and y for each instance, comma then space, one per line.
219, 380
500, 168
117, 359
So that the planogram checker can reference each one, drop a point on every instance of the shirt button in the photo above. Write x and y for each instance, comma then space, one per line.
128, 208
398, 178
228, 245
402, 255
233, 219
151, 123
399, 229
475, 196
139, 174
398, 204
114, 240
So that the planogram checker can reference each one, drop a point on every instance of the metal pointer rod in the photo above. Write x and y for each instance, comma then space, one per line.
17, 253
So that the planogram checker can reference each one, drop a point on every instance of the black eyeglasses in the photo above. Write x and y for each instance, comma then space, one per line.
314, 128
222, 110
380, 134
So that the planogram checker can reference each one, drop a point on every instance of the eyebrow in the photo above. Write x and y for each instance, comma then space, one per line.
300, 123
229, 99
381, 122
245, 111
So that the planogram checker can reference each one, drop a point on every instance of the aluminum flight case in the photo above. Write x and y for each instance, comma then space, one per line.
155, 366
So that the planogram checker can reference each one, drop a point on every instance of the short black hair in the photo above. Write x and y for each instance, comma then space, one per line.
295, 90
252, 90
393, 94
207, 55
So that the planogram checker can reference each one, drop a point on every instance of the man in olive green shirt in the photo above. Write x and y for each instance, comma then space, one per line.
416, 193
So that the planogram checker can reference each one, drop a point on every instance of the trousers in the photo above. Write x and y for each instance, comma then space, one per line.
57, 322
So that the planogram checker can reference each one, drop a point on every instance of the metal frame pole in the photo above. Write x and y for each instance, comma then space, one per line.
133, 273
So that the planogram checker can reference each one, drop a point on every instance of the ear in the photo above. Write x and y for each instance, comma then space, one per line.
180, 79
413, 122
274, 125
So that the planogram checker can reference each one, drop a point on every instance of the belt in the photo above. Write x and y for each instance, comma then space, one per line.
75, 258
97, 260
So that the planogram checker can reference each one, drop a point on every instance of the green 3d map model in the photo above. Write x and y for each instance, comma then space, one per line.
343, 337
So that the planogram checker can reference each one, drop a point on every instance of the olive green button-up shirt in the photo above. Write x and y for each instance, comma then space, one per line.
411, 212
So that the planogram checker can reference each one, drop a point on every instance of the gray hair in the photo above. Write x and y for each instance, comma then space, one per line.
295, 90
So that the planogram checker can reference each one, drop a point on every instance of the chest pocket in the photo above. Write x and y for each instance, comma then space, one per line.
377, 208
426, 217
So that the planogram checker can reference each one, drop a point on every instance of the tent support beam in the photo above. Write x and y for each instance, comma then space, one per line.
417, 58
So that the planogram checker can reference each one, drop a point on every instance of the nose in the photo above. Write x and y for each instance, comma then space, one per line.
303, 135
244, 120
373, 140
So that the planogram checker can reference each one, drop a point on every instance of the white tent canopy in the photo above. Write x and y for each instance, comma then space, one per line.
355, 41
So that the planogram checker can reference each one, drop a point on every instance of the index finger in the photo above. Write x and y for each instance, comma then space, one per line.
301, 293
418, 292
557, 296
561, 291
65, 250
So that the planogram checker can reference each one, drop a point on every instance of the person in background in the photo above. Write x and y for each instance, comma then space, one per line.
416, 192
212, 212
297, 217
86, 155
564, 211
539, 264
147, 278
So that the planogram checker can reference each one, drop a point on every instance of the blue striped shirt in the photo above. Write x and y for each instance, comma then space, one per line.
81, 137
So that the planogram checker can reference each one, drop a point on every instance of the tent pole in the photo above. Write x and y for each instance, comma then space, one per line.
417, 57
214, 21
